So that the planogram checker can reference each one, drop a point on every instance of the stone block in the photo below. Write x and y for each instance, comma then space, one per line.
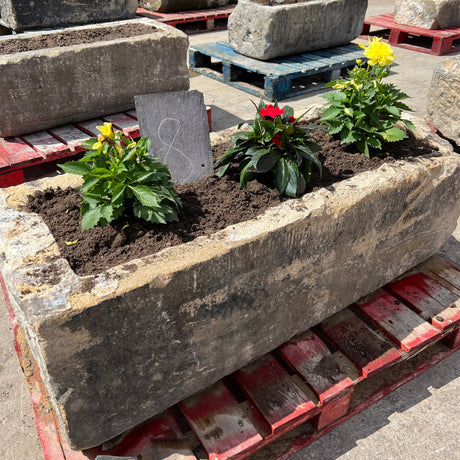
427, 14
97, 73
444, 98
266, 32
165, 6
21, 15
116, 348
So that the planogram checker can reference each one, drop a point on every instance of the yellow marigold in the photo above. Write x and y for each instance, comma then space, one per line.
378, 52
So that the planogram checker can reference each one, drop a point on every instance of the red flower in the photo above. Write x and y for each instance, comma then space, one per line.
271, 112
291, 119
276, 139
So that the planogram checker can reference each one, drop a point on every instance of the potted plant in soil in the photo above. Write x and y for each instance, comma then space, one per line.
120, 346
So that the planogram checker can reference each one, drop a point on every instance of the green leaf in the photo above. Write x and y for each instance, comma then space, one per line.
89, 182
331, 113
393, 135
408, 123
90, 218
374, 142
145, 195
394, 110
282, 175
293, 183
75, 167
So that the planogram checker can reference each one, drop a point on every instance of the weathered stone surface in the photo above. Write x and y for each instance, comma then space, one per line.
428, 14
180, 5
87, 80
177, 125
22, 15
116, 348
444, 98
266, 32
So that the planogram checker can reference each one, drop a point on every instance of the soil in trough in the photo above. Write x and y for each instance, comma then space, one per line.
72, 37
209, 205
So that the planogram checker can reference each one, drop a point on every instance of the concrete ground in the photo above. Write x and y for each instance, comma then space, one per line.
417, 422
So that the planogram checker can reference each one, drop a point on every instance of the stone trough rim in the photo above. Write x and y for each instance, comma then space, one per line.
156, 26
191, 253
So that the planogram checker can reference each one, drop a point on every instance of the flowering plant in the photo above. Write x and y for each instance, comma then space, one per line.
365, 110
119, 174
274, 144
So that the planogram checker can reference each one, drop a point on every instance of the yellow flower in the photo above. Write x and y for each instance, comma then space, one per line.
341, 85
359, 61
97, 145
378, 52
106, 132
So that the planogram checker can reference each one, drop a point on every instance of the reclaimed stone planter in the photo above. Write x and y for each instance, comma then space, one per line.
180, 5
20, 15
261, 31
46, 87
427, 14
119, 347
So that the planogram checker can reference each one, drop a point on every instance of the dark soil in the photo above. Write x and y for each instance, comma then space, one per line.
209, 205
72, 37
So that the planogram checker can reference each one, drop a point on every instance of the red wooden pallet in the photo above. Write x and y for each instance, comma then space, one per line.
201, 20
437, 42
18, 155
282, 402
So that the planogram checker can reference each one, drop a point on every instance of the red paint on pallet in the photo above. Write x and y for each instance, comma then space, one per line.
309, 356
363, 346
139, 442
435, 302
12, 178
18, 153
399, 322
207, 17
332, 412
275, 394
402, 35
219, 422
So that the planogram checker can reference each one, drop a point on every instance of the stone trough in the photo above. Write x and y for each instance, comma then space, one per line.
46, 85
166, 6
21, 15
121, 346
264, 29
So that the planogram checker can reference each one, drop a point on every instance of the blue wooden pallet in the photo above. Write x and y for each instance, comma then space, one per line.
279, 77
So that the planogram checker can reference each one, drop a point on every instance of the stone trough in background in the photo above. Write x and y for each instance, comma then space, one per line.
22, 15
262, 31
116, 348
46, 87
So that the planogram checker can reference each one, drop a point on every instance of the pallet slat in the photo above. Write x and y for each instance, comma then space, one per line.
70, 135
45, 144
399, 322
279, 74
443, 40
17, 153
435, 302
275, 394
442, 269
219, 422
309, 356
125, 123
364, 347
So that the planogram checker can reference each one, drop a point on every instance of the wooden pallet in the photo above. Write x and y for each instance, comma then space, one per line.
437, 42
192, 21
294, 395
276, 79
21, 156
